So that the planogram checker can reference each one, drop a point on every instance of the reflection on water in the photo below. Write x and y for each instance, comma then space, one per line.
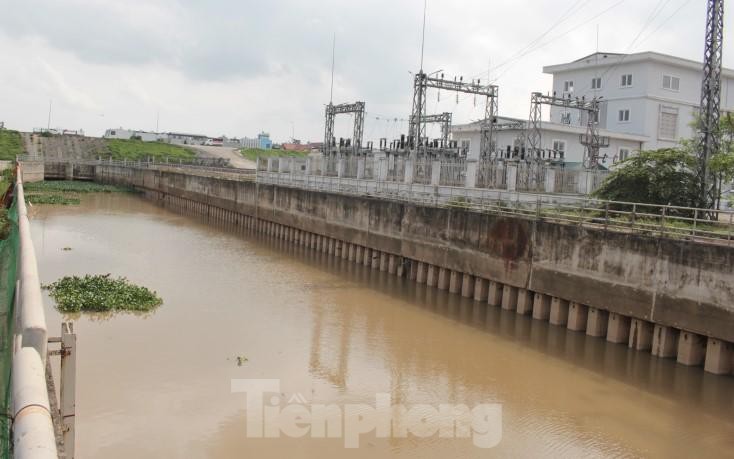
335, 332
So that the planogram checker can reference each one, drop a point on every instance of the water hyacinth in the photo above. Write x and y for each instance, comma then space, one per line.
56, 199
100, 293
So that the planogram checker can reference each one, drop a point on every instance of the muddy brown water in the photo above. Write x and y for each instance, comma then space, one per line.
333, 332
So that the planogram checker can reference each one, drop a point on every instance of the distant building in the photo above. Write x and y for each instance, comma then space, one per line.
246, 142
120, 133
127, 134
186, 139
645, 94
264, 142
557, 140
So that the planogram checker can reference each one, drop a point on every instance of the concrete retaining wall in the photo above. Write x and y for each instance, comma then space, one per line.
671, 297
33, 171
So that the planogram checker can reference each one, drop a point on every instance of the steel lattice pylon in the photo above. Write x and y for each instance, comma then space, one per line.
708, 138
441, 118
491, 111
591, 140
330, 114
421, 83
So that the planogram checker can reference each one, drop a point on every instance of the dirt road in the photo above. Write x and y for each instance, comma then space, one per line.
235, 159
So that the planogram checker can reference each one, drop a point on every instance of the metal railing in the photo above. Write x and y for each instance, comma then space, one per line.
650, 219
669, 221
33, 430
244, 174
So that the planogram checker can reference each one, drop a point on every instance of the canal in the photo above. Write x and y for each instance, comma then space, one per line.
159, 384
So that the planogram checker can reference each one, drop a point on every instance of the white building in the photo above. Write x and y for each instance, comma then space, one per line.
645, 94
558, 140
126, 134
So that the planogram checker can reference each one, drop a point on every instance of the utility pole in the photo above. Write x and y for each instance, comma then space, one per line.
48, 125
708, 139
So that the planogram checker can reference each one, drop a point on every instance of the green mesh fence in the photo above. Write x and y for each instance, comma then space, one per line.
8, 257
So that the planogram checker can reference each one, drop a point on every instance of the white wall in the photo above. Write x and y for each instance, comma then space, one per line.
574, 150
118, 134
644, 98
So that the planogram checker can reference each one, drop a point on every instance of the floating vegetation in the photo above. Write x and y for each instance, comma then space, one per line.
101, 293
241, 359
66, 192
52, 199
72, 186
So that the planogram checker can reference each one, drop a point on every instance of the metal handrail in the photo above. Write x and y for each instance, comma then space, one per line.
33, 432
653, 219
667, 220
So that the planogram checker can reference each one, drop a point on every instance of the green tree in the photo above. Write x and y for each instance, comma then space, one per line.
666, 176
722, 163
669, 176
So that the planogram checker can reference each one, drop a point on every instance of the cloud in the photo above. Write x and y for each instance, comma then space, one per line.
235, 67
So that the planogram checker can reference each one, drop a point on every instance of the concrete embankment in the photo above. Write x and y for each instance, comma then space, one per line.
673, 298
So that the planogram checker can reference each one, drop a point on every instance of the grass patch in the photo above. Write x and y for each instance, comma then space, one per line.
71, 186
10, 144
253, 153
133, 150
101, 293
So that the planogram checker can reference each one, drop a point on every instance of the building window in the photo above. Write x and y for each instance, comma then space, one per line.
670, 82
668, 123
568, 86
565, 118
624, 116
596, 83
624, 153
559, 146
626, 80
465, 144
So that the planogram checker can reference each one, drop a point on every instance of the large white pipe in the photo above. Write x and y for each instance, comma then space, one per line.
32, 316
33, 430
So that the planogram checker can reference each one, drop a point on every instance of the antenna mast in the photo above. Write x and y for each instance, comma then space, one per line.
333, 53
423, 36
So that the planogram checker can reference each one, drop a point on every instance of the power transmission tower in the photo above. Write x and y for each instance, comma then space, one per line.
331, 111
444, 119
491, 111
708, 138
417, 123
591, 140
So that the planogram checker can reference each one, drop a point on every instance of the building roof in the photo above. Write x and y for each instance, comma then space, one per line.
183, 134
602, 59
550, 126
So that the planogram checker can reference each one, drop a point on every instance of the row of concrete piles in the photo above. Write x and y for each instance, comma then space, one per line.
688, 348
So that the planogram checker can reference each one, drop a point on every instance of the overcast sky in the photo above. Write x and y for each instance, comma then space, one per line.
238, 67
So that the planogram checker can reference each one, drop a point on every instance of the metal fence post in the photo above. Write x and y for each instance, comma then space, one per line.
67, 399
537, 207
634, 211
662, 221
